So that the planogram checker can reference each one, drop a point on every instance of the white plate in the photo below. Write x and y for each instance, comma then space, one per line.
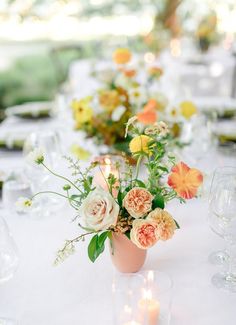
31, 110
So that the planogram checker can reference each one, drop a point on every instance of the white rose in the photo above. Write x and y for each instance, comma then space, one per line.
99, 210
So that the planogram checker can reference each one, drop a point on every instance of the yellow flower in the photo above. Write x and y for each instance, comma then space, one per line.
82, 110
121, 56
140, 143
188, 109
109, 99
79, 152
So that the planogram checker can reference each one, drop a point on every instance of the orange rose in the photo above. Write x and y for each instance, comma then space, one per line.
164, 222
121, 56
138, 202
144, 233
185, 180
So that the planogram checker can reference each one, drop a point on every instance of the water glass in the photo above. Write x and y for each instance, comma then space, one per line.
8, 253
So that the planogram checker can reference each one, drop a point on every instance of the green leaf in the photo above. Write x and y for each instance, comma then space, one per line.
158, 202
177, 225
74, 197
120, 198
127, 234
102, 238
92, 248
97, 245
140, 183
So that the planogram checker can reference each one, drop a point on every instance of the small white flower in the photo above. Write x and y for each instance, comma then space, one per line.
130, 122
36, 156
23, 204
137, 96
117, 113
159, 128
163, 128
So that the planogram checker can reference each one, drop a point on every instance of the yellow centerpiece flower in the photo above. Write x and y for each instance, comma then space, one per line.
109, 99
82, 111
140, 144
188, 109
121, 56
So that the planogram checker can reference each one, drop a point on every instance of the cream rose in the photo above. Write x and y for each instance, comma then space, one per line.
99, 210
164, 222
144, 233
138, 202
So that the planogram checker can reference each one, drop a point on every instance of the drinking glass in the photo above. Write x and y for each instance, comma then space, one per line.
15, 186
8, 321
126, 292
223, 209
220, 257
40, 179
8, 253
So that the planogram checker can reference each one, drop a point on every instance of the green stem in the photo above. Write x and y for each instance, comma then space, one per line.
138, 166
50, 192
62, 177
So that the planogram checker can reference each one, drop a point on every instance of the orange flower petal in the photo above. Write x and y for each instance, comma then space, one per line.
147, 116
185, 181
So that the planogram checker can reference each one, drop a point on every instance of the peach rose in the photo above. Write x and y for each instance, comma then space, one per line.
99, 210
138, 202
164, 222
144, 233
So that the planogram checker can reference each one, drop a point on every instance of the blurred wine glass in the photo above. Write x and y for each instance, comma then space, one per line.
223, 213
40, 179
8, 253
220, 257
9, 261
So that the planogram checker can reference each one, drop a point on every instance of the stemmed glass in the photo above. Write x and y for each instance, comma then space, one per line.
8, 261
220, 257
223, 214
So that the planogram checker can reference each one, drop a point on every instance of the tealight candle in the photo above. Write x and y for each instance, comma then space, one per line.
150, 308
106, 168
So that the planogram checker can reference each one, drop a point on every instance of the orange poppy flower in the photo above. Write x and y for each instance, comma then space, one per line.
185, 180
147, 116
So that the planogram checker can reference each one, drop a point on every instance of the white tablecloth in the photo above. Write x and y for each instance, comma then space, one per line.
78, 292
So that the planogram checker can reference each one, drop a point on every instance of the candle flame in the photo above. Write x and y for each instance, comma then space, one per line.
107, 166
150, 276
147, 294
127, 309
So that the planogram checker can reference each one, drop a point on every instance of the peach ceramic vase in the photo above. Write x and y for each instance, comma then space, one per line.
125, 255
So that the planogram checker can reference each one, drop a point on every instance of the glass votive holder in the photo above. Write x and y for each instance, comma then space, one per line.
107, 166
14, 187
155, 304
126, 292
8, 321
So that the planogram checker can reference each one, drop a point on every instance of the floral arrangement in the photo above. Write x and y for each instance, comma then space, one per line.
207, 31
126, 203
103, 114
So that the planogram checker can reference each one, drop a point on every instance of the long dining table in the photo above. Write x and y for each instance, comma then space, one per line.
78, 292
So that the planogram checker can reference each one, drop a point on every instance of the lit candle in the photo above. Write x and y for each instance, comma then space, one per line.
150, 308
101, 177
132, 323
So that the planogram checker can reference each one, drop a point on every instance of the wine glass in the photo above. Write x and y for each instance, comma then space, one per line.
220, 257
8, 261
8, 253
40, 179
223, 209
